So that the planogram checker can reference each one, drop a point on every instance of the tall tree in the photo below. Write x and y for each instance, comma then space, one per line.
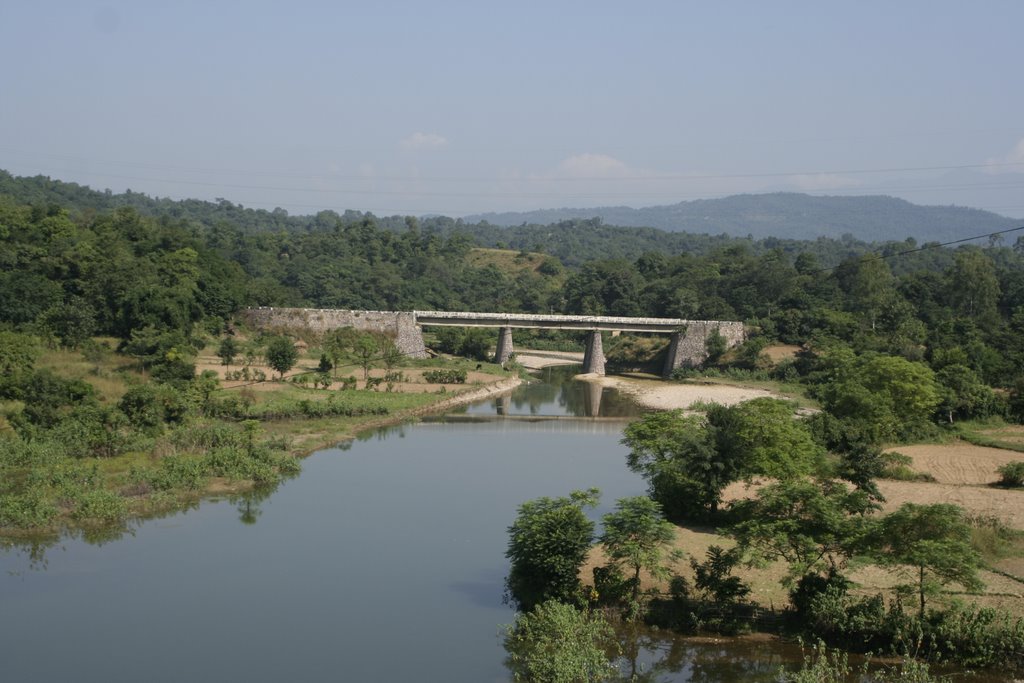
688, 461
366, 350
227, 350
814, 526
281, 355
972, 286
931, 545
637, 536
548, 543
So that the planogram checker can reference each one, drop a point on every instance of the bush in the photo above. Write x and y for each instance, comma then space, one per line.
177, 472
93, 431
205, 437
26, 510
1012, 474
99, 505
975, 637
445, 376
896, 466
149, 406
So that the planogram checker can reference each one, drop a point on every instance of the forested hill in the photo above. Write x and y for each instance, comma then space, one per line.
81, 200
785, 215
574, 242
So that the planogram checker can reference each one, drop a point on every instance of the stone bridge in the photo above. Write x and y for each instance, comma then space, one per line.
687, 347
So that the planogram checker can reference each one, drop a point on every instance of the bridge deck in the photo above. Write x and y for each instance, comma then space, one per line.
550, 322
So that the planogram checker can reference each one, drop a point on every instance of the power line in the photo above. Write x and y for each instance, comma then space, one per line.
883, 257
528, 178
517, 194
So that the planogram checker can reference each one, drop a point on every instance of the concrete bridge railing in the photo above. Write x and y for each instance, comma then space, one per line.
688, 346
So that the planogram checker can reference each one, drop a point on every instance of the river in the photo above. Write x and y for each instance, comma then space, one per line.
383, 561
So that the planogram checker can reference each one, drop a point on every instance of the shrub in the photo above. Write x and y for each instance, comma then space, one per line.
101, 506
25, 510
896, 466
177, 472
1012, 474
445, 376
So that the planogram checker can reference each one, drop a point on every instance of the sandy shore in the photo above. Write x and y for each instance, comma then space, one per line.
654, 394
660, 395
535, 360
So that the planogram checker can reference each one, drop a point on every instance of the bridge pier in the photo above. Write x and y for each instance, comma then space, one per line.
504, 350
593, 357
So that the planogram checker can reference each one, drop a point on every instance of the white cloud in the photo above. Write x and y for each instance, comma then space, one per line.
420, 140
1015, 156
592, 166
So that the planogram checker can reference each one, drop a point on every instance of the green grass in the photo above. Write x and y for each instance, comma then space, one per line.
988, 432
106, 371
54, 491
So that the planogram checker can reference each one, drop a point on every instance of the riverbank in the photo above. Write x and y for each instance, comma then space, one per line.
231, 438
309, 436
660, 395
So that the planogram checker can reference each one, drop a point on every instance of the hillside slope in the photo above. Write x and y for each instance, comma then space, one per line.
785, 215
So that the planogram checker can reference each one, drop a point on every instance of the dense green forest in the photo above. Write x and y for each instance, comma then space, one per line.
575, 238
73, 268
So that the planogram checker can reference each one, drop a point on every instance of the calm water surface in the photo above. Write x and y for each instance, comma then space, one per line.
383, 561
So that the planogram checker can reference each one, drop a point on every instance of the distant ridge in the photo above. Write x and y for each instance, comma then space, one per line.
784, 215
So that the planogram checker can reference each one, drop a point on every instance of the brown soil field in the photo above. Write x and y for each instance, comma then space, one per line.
1006, 505
781, 352
958, 463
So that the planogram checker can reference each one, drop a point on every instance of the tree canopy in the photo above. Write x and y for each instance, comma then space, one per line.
548, 543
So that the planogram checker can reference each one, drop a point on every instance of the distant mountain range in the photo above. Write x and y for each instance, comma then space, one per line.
784, 215
781, 215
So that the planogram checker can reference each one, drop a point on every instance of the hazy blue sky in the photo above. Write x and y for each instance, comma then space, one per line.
460, 107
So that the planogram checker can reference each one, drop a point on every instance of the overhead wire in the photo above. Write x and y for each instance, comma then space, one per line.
924, 247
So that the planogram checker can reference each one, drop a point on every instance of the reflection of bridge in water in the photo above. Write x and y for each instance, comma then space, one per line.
537, 423
582, 398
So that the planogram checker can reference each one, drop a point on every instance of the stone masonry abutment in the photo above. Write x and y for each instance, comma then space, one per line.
688, 346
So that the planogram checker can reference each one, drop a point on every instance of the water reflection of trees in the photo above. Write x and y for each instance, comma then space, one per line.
650, 656
248, 503
35, 547
656, 657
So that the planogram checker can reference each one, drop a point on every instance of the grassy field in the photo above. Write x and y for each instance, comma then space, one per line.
241, 435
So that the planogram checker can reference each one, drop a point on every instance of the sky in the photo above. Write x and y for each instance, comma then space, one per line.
465, 107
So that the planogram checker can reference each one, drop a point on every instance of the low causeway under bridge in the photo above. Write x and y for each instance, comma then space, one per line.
687, 347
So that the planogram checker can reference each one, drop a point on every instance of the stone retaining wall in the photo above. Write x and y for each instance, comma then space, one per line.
690, 348
400, 326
